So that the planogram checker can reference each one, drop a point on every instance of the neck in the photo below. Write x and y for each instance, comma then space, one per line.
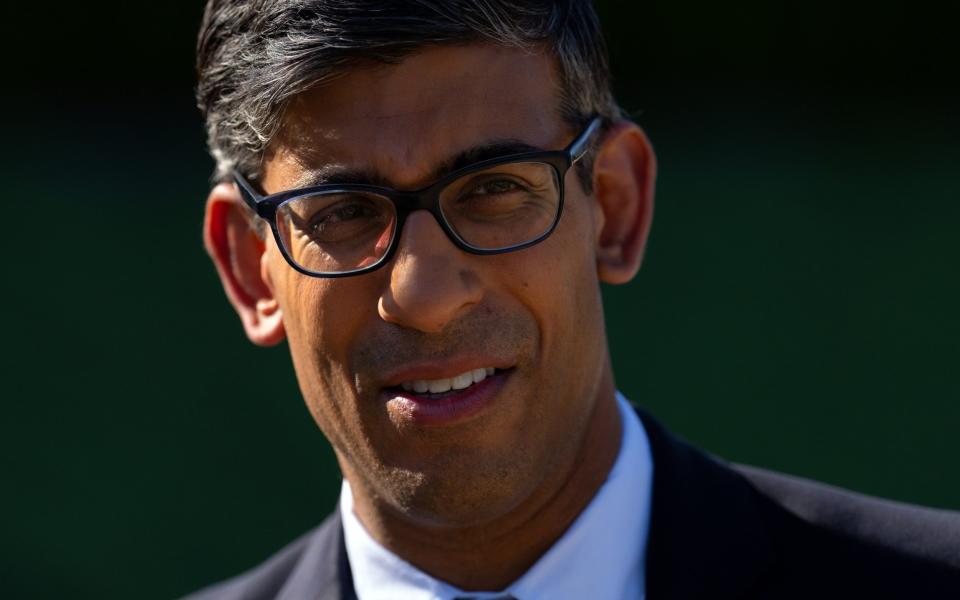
461, 556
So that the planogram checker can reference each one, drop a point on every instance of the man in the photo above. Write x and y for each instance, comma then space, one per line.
421, 198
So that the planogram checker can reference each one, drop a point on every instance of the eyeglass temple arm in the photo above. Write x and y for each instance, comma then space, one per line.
580, 145
250, 196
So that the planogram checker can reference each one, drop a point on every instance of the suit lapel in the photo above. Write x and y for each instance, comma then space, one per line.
706, 538
323, 572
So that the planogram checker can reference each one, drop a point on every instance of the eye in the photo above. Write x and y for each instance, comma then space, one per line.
485, 207
494, 187
342, 213
330, 218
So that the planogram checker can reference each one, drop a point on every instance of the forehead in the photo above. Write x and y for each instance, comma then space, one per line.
402, 120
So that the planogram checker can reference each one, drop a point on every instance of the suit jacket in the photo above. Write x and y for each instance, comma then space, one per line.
717, 531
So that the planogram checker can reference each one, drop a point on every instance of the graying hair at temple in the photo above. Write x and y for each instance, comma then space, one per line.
254, 56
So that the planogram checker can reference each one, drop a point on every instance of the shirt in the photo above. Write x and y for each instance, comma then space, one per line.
600, 556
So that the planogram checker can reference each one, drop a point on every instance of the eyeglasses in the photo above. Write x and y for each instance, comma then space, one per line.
490, 207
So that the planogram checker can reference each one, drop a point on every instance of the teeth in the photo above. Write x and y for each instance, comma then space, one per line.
462, 381
439, 386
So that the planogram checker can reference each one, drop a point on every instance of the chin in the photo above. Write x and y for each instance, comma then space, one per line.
462, 506
467, 495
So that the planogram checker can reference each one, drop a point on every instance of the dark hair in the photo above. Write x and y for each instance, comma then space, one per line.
253, 56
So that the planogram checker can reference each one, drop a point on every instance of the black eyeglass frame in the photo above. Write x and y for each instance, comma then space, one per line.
427, 198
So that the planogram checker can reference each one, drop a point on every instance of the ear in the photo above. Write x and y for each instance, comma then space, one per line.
237, 251
624, 174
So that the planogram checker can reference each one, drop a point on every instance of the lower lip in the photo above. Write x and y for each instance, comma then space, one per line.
451, 409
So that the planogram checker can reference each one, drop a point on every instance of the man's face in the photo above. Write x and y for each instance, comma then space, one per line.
434, 311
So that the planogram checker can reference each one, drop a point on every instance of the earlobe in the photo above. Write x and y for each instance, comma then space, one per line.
237, 252
624, 179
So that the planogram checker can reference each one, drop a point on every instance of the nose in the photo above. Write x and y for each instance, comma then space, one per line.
431, 280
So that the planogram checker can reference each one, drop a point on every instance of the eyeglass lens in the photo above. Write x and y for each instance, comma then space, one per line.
490, 209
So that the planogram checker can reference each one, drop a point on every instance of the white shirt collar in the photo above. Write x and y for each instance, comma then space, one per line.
600, 556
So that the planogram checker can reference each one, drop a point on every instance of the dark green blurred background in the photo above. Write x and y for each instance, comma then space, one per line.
797, 308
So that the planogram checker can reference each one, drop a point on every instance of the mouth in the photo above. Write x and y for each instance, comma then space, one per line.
445, 401
438, 387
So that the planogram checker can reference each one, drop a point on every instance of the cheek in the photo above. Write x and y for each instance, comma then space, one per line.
565, 273
321, 320
317, 313
557, 281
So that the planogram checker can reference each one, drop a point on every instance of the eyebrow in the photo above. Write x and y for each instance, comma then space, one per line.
338, 174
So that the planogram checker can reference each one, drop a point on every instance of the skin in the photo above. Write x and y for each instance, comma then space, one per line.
510, 479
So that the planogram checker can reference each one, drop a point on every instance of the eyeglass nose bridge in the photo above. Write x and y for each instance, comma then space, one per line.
407, 203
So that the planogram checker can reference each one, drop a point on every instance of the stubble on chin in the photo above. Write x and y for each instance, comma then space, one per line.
436, 476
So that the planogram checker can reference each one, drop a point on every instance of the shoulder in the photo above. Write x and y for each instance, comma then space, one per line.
824, 537
310, 566
759, 534
925, 533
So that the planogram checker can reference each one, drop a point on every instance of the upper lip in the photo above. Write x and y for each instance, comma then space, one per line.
440, 369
